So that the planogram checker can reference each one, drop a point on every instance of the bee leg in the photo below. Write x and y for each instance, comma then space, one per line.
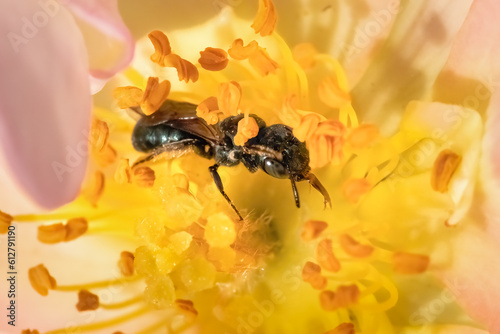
220, 186
295, 193
145, 159
173, 150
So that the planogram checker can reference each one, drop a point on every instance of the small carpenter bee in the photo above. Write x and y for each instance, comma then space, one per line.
176, 129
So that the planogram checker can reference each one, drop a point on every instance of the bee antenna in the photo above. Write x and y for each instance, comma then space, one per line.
313, 180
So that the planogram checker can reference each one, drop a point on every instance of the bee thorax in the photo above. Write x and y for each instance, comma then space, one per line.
225, 156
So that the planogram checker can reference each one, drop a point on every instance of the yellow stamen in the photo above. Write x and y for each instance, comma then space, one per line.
382, 283
353, 189
337, 69
266, 17
162, 46
60, 216
154, 327
346, 113
444, 167
97, 285
5, 221
208, 109
344, 328
240, 52
94, 188
122, 304
344, 296
297, 81
247, 129
123, 173
408, 263
229, 98
353, 247
362, 136
262, 62
41, 280
377, 174
155, 95
331, 94
99, 133
128, 96
312, 229
105, 323
292, 116
325, 256
29, 331
213, 59
126, 263
304, 54
87, 301
311, 273
186, 306
144, 177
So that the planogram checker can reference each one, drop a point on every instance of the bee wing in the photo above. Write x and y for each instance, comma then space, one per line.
168, 151
182, 116
198, 127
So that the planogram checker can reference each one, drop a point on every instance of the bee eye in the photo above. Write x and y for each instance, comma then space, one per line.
275, 169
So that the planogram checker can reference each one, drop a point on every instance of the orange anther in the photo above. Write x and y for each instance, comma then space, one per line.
265, 19
213, 59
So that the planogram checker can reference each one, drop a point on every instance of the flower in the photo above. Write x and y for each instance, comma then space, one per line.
400, 159
48, 75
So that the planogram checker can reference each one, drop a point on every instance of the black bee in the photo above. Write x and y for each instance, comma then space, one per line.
176, 129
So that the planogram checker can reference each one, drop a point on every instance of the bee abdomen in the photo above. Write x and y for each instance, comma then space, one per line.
147, 138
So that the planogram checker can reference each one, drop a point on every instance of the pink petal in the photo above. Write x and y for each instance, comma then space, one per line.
13, 199
473, 276
491, 168
472, 71
493, 137
109, 42
45, 104
471, 78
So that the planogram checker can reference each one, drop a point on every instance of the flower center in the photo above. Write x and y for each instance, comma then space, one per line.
194, 256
